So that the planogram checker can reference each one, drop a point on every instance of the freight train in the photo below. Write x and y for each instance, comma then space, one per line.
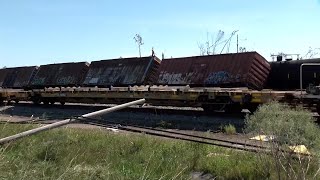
227, 81
247, 69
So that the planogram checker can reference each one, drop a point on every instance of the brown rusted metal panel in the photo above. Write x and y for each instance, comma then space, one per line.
248, 69
64, 74
17, 77
20, 77
122, 72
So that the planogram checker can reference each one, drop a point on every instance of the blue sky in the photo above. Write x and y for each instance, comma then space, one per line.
36, 32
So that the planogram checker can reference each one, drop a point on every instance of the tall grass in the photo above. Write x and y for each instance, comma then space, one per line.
92, 154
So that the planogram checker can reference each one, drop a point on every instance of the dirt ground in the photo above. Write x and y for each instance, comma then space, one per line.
182, 119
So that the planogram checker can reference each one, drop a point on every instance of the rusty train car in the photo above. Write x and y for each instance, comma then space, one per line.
248, 69
17, 77
122, 72
57, 75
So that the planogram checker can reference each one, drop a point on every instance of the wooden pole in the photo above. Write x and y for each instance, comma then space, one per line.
67, 121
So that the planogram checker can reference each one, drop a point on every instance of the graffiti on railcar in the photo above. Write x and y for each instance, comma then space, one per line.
172, 78
222, 77
66, 80
38, 81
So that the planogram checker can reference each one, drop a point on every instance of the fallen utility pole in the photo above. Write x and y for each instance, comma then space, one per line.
67, 121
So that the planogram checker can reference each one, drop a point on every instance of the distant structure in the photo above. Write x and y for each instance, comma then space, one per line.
282, 56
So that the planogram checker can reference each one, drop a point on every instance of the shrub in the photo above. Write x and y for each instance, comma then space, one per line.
290, 127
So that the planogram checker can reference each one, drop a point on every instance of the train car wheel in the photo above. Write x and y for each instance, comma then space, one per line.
45, 102
233, 108
252, 107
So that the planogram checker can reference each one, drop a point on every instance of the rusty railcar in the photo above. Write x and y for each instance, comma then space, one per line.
24, 76
247, 69
17, 77
60, 75
122, 72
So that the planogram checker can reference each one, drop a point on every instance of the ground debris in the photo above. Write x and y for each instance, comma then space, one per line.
217, 154
201, 176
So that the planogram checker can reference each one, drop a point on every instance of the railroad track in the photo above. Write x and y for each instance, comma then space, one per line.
222, 142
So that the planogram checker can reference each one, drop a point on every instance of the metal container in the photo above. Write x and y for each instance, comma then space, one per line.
285, 75
122, 72
248, 69
17, 77
20, 77
60, 75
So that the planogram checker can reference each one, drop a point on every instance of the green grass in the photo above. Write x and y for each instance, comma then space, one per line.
68, 153
92, 154
229, 129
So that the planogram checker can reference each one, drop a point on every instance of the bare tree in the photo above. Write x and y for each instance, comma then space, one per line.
312, 52
209, 48
139, 41
228, 42
218, 39
202, 49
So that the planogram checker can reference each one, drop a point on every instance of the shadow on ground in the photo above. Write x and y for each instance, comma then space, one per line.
151, 117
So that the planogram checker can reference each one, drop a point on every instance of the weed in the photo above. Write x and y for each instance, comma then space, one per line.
164, 124
229, 129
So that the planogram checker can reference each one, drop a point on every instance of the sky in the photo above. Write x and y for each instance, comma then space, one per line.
36, 32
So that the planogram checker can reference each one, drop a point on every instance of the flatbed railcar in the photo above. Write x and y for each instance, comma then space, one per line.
211, 99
